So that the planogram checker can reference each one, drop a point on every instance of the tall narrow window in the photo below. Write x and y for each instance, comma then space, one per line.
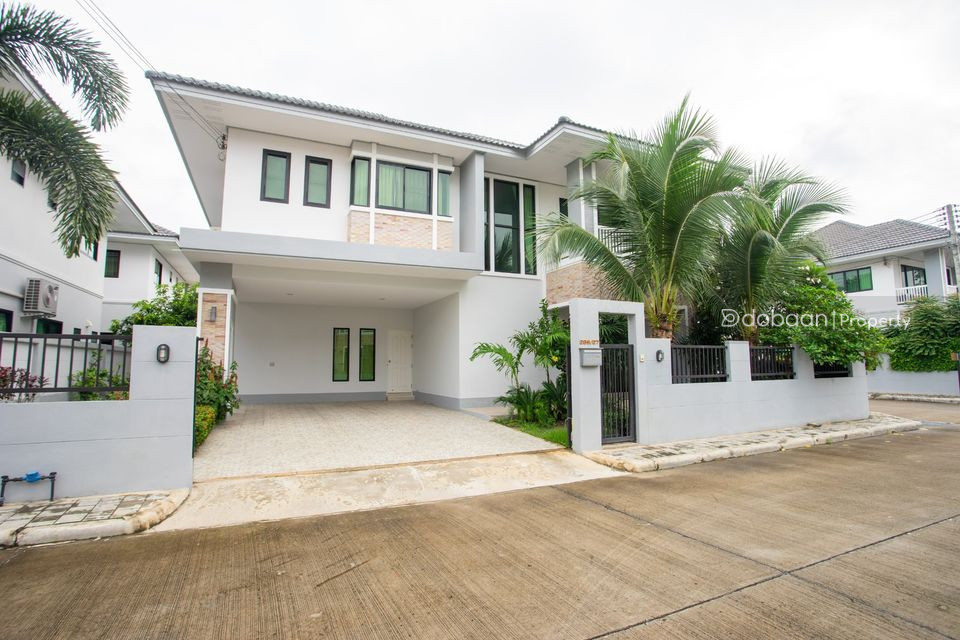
529, 229
368, 355
111, 267
157, 272
275, 176
564, 208
18, 173
443, 193
316, 182
360, 182
341, 355
403, 188
486, 224
6, 320
506, 226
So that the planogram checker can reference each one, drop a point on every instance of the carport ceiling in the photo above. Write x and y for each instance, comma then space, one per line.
280, 286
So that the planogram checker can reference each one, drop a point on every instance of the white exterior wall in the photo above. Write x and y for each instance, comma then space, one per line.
285, 352
29, 249
932, 383
882, 300
136, 281
436, 339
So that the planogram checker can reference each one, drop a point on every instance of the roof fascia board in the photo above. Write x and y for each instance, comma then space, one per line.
890, 251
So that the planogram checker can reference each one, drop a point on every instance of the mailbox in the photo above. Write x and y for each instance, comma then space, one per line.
590, 357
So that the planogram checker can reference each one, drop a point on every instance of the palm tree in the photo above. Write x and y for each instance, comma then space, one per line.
55, 147
668, 196
769, 238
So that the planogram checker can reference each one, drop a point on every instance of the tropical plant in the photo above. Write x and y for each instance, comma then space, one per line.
831, 331
546, 339
768, 239
16, 384
54, 146
173, 306
554, 394
216, 386
527, 404
504, 360
204, 420
668, 197
94, 376
927, 337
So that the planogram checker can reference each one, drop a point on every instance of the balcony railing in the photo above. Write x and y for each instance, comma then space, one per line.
950, 289
615, 239
906, 294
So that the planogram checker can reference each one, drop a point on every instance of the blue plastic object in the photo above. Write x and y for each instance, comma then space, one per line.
31, 476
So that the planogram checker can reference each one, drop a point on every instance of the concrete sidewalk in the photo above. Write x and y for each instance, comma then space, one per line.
638, 458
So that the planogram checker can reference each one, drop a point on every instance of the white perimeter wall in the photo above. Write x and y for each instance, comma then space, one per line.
287, 350
933, 383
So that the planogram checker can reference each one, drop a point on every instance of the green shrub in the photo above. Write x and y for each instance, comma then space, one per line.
527, 405
94, 376
215, 387
930, 334
204, 419
173, 306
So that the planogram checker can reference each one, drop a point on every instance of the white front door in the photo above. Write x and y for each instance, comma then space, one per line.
400, 362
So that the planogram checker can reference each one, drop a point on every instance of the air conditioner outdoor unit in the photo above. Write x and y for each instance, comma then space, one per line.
40, 297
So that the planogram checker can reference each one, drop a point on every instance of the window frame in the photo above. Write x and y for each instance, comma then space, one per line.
564, 208
106, 263
7, 314
308, 160
844, 273
157, 272
333, 356
906, 268
529, 242
57, 323
286, 178
18, 171
373, 377
92, 251
404, 209
449, 175
353, 178
490, 265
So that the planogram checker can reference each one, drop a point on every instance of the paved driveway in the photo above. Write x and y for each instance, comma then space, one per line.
925, 411
276, 439
853, 540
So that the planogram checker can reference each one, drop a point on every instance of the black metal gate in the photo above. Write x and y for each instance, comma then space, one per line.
618, 400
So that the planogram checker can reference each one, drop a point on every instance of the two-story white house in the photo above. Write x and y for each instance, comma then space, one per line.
883, 266
351, 255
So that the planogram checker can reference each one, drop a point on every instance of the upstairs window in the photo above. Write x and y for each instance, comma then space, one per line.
48, 326
403, 188
275, 176
529, 229
443, 194
360, 182
111, 267
316, 182
564, 208
913, 276
506, 226
853, 280
6, 320
91, 250
18, 172
157, 272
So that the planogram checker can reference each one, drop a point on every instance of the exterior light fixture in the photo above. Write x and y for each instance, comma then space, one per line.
213, 313
163, 353
659, 355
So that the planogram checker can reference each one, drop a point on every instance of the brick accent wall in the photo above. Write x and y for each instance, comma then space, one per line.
215, 333
402, 231
445, 236
358, 227
578, 280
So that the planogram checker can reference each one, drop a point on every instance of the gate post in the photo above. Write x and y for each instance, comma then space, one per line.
584, 381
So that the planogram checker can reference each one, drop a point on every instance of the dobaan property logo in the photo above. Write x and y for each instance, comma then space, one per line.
733, 318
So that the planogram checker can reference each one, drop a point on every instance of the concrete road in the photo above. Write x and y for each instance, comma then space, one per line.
925, 411
852, 540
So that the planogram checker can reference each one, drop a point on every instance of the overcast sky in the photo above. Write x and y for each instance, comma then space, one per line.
865, 94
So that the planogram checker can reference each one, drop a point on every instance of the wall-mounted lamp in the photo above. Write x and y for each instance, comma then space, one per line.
213, 313
163, 353
660, 355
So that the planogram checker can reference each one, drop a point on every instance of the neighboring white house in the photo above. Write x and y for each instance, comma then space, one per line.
138, 256
883, 266
352, 255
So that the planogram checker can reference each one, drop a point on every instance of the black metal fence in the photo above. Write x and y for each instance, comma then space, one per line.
86, 366
831, 370
618, 402
698, 363
771, 363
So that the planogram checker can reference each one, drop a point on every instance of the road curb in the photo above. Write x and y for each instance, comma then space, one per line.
134, 523
915, 397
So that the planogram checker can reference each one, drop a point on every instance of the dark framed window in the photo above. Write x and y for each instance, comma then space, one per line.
316, 182
360, 182
157, 272
853, 280
6, 320
950, 279
91, 250
18, 171
275, 176
529, 229
341, 354
368, 355
913, 276
486, 224
564, 208
111, 266
403, 188
46, 325
506, 226
76, 331
604, 219
443, 193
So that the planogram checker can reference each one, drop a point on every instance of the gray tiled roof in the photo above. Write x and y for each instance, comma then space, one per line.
842, 238
159, 76
163, 231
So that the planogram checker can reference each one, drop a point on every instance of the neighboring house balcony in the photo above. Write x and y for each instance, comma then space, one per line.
906, 294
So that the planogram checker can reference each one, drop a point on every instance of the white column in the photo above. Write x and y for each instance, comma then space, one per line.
584, 381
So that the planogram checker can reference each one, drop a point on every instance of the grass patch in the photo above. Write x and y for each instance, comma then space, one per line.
556, 433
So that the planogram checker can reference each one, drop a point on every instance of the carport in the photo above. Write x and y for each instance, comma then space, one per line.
283, 439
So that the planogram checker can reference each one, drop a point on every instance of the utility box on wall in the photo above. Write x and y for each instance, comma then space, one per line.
590, 357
